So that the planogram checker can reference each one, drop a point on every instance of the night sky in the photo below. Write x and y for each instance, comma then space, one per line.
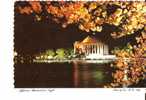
33, 36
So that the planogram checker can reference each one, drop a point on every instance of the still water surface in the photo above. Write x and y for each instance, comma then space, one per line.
62, 75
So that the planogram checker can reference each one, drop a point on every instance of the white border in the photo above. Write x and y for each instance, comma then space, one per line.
7, 90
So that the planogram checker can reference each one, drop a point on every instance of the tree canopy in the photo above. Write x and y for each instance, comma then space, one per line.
128, 17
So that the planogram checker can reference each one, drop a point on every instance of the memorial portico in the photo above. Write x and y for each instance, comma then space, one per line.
90, 46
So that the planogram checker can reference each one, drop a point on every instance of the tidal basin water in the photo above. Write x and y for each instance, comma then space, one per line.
62, 75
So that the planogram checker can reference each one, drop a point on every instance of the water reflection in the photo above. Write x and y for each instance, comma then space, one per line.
91, 75
74, 74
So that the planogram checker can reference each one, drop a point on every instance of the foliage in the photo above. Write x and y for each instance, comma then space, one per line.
50, 52
127, 17
130, 64
69, 53
60, 53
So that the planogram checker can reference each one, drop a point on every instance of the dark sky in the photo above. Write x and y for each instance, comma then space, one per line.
34, 36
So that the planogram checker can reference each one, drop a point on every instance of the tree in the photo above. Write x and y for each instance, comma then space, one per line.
60, 53
127, 17
69, 53
50, 52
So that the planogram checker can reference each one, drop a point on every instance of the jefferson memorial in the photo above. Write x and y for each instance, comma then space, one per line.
92, 48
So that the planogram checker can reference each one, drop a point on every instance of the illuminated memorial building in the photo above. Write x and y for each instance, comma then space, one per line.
91, 48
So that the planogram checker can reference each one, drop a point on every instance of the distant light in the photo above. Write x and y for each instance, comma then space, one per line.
93, 33
37, 57
42, 56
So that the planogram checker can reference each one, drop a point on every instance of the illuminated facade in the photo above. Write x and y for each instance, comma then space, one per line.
91, 47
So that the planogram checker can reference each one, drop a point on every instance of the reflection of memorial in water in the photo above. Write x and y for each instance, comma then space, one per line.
91, 75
